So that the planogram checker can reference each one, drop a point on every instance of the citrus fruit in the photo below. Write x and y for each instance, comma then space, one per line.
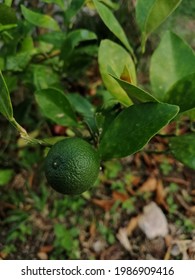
72, 166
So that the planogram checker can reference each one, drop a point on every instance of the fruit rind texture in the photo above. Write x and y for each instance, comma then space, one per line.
72, 166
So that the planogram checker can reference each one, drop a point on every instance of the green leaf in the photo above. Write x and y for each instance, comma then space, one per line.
72, 9
81, 104
63, 237
183, 149
40, 20
54, 38
115, 56
5, 176
132, 129
5, 101
136, 94
110, 4
84, 108
8, 2
18, 61
151, 14
7, 27
55, 106
72, 41
171, 61
7, 15
112, 23
182, 93
40, 77
59, 3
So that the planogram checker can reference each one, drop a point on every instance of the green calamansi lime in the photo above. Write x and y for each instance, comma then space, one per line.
72, 166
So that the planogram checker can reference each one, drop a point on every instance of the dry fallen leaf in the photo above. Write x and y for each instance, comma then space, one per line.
105, 204
149, 185
132, 225
122, 236
160, 195
118, 196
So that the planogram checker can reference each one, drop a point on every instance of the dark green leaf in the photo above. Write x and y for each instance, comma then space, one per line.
171, 61
55, 106
115, 56
7, 15
132, 129
84, 108
55, 38
40, 20
136, 94
182, 93
183, 149
73, 39
72, 10
5, 102
151, 14
112, 23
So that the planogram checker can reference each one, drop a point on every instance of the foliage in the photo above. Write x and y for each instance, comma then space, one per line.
46, 53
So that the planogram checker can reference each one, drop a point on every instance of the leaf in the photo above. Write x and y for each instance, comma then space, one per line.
132, 129
182, 93
5, 101
59, 3
151, 14
110, 4
183, 149
73, 39
84, 108
171, 61
112, 23
7, 15
7, 27
72, 9
63, 237
135, 93
5, 176
116, 57
40, 77
54, 38
55, 106
40, 20
18, 61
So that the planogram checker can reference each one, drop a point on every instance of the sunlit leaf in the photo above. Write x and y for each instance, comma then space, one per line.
136, 94
115, 56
